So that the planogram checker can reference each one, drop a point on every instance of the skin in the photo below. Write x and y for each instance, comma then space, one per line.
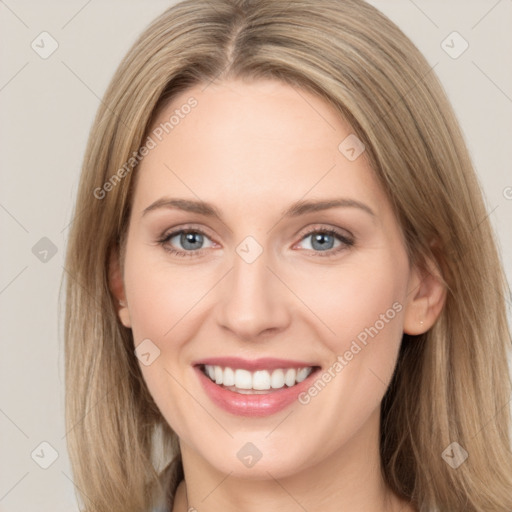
252, 149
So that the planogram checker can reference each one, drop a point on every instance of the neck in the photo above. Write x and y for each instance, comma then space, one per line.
350, 479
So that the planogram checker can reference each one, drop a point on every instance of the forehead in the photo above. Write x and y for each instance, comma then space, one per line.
263, 141
256, 114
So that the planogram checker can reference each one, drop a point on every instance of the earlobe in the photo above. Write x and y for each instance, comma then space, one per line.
427, 295
117, 288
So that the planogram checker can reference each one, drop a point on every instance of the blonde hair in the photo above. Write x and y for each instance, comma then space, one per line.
451, 384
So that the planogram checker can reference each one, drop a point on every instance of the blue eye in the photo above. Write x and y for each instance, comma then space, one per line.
190, 239
323, 242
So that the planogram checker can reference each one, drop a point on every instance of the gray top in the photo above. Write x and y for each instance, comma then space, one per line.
165, 481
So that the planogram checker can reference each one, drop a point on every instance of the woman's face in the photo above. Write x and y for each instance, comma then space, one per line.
251, 171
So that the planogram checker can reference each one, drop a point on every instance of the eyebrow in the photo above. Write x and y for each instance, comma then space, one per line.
298, 208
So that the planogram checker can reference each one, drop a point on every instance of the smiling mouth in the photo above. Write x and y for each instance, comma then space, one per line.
257, 382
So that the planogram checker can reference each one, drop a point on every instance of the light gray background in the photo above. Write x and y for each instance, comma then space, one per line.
47, 107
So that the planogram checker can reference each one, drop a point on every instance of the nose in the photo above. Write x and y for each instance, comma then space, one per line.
253, 302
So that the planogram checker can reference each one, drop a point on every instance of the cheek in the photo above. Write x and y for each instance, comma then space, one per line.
160, 295
162, 310
166, 307
360, 300
364, 305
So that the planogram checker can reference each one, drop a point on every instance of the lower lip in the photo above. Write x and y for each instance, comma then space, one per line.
252, 405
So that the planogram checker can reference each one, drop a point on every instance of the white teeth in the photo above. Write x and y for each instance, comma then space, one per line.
302, 374
277, 379
260, 380
289, 377
243, 379
229, 377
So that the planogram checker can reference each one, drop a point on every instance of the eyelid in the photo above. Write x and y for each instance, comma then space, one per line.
321, 227
186, 227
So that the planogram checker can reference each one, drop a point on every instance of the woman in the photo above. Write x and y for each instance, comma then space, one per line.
285, 288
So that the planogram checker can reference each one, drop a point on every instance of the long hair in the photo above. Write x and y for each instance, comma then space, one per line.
451, 384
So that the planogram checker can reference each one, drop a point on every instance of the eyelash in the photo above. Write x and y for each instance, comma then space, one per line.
343, 238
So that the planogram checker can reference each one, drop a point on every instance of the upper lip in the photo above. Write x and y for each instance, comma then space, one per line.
263, 363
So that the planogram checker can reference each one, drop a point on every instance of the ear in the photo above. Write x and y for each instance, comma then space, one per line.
426, 298
116, 285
